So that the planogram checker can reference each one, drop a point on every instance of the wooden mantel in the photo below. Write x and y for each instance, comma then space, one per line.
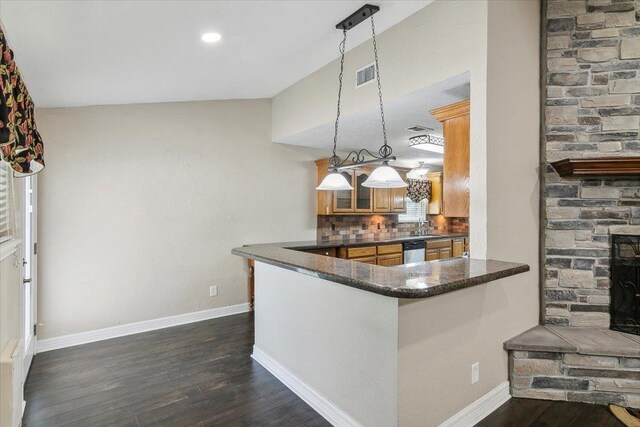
600, 166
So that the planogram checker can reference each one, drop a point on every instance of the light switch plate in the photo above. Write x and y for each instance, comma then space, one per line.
475, 372
213, 291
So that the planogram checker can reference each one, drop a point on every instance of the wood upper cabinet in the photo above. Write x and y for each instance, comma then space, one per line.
398, 198
381, 200
363, 195
343, 200
455, 176
435, 202
360, 200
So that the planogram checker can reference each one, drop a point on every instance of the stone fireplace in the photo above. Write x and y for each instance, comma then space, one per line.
625, 283
591, 98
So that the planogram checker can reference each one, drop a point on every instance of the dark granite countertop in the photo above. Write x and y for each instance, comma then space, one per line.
418, 280
322, 244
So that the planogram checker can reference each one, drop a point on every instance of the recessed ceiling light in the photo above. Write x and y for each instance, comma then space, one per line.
211, 37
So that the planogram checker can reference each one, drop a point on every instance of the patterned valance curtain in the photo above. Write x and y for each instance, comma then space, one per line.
419, 189
20, 143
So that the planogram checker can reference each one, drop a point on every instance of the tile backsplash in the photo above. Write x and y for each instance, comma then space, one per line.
353, 227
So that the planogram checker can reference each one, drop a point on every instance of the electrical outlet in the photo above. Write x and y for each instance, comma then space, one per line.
213, 291
475, 372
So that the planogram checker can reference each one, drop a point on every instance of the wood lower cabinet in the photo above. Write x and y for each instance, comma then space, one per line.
389, 260
466, 244
443, 249
457, 247
432, 254
251, 283
383, 255
366, 260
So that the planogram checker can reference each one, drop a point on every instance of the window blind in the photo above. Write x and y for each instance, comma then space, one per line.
4, 201
415, 211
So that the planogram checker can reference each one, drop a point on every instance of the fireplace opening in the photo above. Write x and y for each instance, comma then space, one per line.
625, 283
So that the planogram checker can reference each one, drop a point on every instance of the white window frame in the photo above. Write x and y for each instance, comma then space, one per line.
9, 244
421, 214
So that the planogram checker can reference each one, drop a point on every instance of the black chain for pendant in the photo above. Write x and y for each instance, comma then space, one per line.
385, 150
335, 160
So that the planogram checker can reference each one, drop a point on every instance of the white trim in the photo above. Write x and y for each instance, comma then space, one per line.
138, 327
8, 248
318, 402
478, 410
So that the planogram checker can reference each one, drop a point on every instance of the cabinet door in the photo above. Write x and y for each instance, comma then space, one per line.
364, 195
445, 253
432, 254
398, 199
435, 202
390, 260
366, 260
455, 174
343, 200
381, 200
458, 247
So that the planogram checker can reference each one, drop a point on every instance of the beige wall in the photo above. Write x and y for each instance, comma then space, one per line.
340, 341
474, 323
140, 206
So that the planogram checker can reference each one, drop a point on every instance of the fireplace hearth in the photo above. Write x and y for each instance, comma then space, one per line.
625, 283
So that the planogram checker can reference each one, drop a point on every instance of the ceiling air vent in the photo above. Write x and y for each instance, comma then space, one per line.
365, 75
418, 128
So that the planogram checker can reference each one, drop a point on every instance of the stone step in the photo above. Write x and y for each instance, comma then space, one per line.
570, 339
593, 365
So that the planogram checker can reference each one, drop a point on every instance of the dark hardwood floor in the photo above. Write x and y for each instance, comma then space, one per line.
192, 375
202, 375
543, 413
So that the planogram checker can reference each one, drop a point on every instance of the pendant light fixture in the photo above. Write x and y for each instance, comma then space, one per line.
335, 180
383, 176
418, 173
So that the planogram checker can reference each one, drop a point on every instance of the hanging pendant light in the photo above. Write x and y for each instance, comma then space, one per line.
384, 176
335, 180
418, 173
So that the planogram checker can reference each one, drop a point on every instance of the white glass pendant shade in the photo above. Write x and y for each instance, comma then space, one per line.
418, 173
334, 181
384, 177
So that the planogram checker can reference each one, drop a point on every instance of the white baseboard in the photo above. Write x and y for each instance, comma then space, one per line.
478, 410
136, 328
318, 402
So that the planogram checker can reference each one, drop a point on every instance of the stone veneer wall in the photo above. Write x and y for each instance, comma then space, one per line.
350, 227
575, 377
592, 108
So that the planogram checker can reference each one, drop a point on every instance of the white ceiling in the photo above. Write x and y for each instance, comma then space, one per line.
364, 129
94, 52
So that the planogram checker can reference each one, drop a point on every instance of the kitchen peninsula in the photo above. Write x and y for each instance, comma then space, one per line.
360, 342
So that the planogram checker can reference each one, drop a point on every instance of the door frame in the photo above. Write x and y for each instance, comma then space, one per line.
29, 338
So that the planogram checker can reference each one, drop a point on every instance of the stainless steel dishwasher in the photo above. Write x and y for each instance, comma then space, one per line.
413, 251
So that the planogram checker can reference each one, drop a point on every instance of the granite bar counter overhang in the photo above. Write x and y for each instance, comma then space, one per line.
418, 280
